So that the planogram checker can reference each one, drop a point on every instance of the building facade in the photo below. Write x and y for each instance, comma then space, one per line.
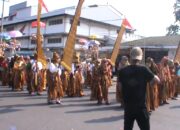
103, 22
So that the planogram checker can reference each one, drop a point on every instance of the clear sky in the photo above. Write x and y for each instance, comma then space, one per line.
148, 17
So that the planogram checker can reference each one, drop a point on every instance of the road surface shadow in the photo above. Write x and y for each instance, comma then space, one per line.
14, 94
75, 99
73, 105
174, 107
98, 108
23, 105
106, 119
9, 110
36, 97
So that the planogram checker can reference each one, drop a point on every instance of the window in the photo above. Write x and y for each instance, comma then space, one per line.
33, 41
54, 40
72, 21
117, 31
55, 22
10, 28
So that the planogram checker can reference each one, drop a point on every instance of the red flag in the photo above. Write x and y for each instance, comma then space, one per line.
43, 4
127, 24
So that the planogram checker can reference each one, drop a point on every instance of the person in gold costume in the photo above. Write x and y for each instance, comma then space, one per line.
28, 75
44, 79
55, 90
104, 82
88, 79
152, 99
172, 83
79, 81
165, 78
177, 83
36, 80
71, 90
4, 66
65, 78
18, 74
95, 86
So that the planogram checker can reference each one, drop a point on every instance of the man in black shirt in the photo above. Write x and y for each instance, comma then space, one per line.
133, 80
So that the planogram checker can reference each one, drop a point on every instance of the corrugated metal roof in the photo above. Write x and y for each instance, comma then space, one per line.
155, 41
102, 13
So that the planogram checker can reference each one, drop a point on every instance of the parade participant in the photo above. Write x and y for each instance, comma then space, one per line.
133, 80
79, 81
152, 100
1, 60
44, 79
177, 72
95, 86
109, 69
123, 63
65, 78
71, 90
165, 78
88, 73
104, 82
28, 75
10, 72
55, 90
4, 66
172, 82
18, 74
36, 82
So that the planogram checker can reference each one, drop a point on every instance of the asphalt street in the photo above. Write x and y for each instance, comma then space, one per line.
19, 111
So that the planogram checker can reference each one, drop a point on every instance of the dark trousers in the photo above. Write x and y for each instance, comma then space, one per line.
140, 115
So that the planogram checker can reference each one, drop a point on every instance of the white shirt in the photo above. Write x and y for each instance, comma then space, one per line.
38, 67
54, 68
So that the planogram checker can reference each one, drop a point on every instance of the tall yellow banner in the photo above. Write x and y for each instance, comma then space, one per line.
70, 43
125, 24
177, 55
40, 53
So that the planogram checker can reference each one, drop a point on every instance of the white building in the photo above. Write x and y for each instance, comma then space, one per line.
103, 21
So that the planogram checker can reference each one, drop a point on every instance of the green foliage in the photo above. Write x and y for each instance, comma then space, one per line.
173, 30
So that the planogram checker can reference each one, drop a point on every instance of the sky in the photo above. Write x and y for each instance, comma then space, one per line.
148, 17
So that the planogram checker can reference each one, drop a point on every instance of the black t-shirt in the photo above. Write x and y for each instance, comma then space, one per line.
134, 79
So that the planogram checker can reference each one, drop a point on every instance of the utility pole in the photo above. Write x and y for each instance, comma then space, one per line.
1, 31
2, 15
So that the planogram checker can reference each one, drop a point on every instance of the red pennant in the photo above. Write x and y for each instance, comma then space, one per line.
127, 24
43, 4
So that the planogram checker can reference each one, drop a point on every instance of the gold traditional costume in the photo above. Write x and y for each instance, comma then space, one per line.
18, 74
55, 90
79, 81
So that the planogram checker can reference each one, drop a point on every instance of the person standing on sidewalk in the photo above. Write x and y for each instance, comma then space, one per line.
133, 80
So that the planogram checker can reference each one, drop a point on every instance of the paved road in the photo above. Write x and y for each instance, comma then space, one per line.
19, 111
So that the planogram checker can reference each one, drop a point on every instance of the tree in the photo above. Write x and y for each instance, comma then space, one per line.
173, 30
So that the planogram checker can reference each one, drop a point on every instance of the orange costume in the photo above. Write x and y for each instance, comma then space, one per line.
152, 99
79, 81
18, 74
165, 78
71, 90
55, 90
36, 81
95, 81
104, 83
88, 76
64, 78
